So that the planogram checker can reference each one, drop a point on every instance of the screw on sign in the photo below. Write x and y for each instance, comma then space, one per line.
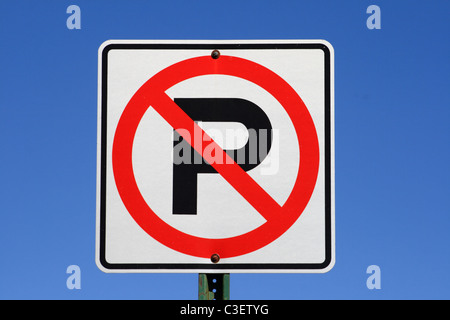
314, 144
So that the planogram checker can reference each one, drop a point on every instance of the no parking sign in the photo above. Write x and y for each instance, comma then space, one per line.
215, 156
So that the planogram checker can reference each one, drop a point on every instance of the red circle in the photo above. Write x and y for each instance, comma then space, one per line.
253, 240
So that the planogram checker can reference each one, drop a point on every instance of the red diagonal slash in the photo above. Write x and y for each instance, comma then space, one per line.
229, 169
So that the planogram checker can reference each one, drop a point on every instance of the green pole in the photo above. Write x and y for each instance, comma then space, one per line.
213, 286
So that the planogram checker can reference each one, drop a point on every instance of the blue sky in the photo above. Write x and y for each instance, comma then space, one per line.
392, 143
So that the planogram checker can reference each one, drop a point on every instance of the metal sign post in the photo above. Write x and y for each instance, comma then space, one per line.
213, 286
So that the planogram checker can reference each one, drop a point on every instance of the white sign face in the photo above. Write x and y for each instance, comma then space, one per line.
215, 156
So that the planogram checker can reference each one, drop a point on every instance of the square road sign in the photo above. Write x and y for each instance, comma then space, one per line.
215, 156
